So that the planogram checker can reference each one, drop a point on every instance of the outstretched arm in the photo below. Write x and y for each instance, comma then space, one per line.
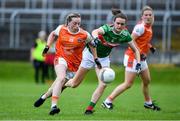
92, 44
96, 60
51, 38
135, 49
97, 32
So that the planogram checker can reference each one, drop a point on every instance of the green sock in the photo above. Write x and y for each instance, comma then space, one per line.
91, 106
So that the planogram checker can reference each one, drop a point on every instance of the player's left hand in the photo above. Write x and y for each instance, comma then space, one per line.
95, 42
152, 49
138, 67
98, 63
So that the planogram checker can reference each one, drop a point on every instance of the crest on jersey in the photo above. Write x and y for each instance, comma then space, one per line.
79, 40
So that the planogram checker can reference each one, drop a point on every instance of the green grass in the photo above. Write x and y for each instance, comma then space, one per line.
18, 93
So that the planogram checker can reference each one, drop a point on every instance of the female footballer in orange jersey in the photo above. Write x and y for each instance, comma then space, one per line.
142, 35
71, 41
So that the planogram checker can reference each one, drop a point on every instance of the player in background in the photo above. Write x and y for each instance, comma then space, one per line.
71, 41
142, 34
49, 61
106, 37
37, 58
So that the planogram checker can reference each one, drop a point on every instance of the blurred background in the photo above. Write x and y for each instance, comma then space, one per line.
21, 20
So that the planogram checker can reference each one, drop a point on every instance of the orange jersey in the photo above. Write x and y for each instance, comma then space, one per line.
144, 34
70, 47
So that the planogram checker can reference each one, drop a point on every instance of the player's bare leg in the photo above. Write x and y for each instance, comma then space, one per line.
96, 95
60, 80
145, 76
78, 78
129, 79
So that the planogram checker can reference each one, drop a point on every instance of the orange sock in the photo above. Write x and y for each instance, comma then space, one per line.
54, 101
110, 98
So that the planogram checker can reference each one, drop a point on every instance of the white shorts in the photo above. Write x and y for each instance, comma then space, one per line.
69, 74
130, 64
88, 60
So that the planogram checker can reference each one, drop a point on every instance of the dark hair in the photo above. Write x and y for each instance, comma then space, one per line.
145, 8
70, 16
118, 14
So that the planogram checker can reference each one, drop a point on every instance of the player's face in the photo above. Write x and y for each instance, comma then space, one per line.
119, 24
74, 24
148, 17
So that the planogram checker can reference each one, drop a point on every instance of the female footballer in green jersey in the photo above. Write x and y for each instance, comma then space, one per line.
142, 34
106, 37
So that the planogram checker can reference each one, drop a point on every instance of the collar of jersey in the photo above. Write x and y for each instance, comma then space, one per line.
72, 32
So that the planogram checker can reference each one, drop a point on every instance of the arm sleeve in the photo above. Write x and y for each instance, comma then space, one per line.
138, 30
104, 28
57, 30
128, 38
126, 35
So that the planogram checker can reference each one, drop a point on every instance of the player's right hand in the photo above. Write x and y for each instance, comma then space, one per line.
45, 50
95, 42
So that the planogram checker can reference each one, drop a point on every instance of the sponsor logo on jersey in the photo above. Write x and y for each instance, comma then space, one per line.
71, 39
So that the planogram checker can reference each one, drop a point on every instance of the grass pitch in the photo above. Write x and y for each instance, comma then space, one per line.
18, 93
